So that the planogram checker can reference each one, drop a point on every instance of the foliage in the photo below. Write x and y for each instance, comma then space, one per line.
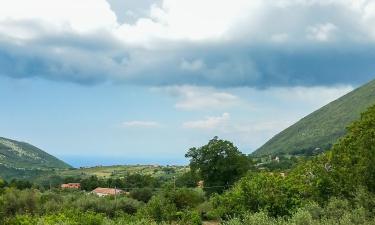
159, 209
353, 157
142, 194
219, 163
337, 212
336, 187
188, 179
339, 173
184, 198
271, 193
190, 218
31, 201
20, 184
138, 180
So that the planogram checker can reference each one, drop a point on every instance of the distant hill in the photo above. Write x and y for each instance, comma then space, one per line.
20, 159
319, 130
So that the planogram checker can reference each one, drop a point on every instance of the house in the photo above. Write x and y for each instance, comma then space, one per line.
107, 191
71, 186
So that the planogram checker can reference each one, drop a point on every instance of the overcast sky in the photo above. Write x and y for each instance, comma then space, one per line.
141, 81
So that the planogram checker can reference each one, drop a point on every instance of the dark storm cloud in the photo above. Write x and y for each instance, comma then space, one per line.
93, 59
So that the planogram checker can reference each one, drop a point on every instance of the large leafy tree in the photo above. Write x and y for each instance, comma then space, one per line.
219, 163
353, 157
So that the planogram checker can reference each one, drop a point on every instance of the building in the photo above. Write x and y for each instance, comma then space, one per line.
71, 186
107, 191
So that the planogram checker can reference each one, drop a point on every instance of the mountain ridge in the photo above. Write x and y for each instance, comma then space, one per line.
322, 128
19, 157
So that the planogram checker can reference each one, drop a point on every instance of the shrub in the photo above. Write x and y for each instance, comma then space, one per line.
190, 218
142, 194
20, 202
260, 218
261, 191
185, 198
158, 209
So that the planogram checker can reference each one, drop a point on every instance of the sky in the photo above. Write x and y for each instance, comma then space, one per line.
101, 82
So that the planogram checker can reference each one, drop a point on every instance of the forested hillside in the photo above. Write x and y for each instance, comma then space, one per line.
319, 130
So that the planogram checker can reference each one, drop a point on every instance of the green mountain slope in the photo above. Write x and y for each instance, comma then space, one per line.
19, 158
320, 129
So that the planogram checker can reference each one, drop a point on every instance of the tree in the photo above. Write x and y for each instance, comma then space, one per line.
353, 157
188, 179
219, 163
2, 183
140, 181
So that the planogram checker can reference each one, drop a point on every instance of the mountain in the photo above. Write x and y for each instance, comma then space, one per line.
20, 159
319, 130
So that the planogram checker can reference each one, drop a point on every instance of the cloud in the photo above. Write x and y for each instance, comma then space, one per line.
200, 98
260, 43
194, 65
130, 11
79, 16
208, 123
315, 96
272, 110
248, 133
322, 32
141, 124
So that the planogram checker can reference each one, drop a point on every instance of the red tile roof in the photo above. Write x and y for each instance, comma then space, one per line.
71, 185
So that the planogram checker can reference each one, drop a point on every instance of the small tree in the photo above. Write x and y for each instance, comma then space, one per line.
219, 164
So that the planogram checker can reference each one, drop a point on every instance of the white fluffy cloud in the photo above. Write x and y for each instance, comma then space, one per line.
81, 16
211, 122
256, 20
196, 20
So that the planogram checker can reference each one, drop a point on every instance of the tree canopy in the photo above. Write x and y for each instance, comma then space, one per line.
219, 163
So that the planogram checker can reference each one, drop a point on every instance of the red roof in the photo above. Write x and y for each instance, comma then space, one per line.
71, 185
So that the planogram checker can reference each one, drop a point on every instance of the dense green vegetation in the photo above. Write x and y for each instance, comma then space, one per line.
22, 160
321, 129
219, 164
335, 187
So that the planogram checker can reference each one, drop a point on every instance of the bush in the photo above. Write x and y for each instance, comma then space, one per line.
185, 198
256, 192
158, 209
142, 194
20, 202
106, 205
260, 218
190, 218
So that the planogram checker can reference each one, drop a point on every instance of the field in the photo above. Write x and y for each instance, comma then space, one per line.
120, 171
